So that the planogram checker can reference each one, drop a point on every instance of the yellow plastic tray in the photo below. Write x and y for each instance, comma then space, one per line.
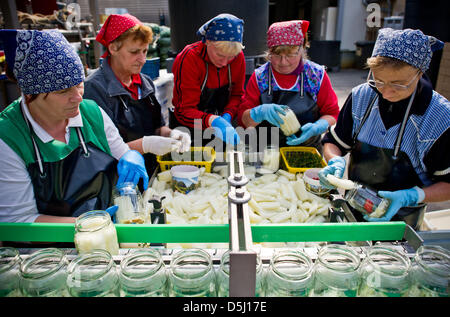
287, 151
210, 152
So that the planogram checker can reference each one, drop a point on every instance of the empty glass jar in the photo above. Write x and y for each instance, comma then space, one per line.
129, 199
337, 271
95, 230
43, 274
430, 272
385, 273
290, 273
191, 274
9, 272
143, 273
223, 277
93, 274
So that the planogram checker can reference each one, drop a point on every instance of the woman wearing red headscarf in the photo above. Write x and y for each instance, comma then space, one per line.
289, 79
127, 95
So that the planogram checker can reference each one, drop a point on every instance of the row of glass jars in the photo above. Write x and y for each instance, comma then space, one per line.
338, 271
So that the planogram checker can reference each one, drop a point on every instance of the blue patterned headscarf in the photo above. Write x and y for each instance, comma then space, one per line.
42, 61
224, 27
411, 46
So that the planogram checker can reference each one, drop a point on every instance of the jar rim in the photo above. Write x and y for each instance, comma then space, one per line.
435, 251
225, 262
96, 254
294, 254
9, 257
341, 250
392, 253
139, 254
27, 264
202, 256
89, 215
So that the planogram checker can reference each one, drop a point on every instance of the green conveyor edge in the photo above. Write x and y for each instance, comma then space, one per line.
168, 233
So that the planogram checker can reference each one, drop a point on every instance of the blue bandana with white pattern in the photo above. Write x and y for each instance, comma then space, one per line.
411, 46
43, 61
224, 27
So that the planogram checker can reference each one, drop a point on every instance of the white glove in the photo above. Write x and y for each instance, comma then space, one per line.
159, 145
185, 139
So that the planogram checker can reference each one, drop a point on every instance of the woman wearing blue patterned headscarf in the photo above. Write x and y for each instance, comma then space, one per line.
59, 152
396, 129
209, 78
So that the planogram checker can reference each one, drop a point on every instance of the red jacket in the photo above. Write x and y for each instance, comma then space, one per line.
189, 72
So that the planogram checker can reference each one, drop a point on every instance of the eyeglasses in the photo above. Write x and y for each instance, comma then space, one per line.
380, 85
289, 57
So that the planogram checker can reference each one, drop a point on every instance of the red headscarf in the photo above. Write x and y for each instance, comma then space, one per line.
114, 26
287, 33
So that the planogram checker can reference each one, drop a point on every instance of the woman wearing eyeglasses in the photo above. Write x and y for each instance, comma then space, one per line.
289, 79
396, 129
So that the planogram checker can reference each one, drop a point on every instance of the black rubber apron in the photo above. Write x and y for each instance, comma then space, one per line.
212, 100
303, 106
81, 182
138, 118
386, 169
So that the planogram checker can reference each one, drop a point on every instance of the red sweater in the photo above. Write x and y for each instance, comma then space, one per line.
326, 98
189, 72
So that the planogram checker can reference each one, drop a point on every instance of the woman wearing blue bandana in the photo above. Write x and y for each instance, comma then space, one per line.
209, 78
396, 129
59, 152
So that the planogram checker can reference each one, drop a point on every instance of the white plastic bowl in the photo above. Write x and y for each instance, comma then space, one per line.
312, 182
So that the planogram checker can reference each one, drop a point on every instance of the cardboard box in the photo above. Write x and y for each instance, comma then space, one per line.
443, 81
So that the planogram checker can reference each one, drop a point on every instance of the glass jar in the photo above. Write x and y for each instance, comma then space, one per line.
131, 209
385, 273
271, 158
191, 274
290, 122
143, 273
95, 230
367, 201
250, 154
290, 273
93, 274
223, 277
430, 272
43, 274
337, 271
9, 272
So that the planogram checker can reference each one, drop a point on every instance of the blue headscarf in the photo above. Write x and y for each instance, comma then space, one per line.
42, 61
224, 27
411, 46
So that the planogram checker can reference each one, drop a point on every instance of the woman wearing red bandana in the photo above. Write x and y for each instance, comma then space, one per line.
127, 95
289, 79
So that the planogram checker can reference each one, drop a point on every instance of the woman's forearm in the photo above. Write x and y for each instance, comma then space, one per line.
437, 192
54, 219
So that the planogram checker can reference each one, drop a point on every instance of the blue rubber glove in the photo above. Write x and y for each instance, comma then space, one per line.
399, 199
225, 131
227, 117
308, 130
112, 212
131, 168
269, 112
336, 167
